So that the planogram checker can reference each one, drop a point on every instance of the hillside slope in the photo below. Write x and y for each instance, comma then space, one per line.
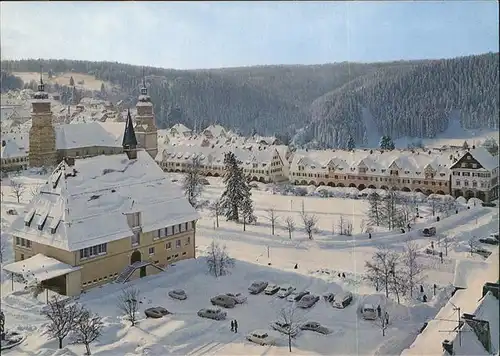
324, 104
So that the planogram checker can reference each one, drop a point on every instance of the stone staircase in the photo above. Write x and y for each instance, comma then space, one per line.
127, 272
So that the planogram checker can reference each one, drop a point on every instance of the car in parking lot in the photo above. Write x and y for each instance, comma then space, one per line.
316, 327
285, 291
177, 294
223, 301
490, 240
307, 301
257, 287
271, 289
285, 328
261, 337
369, 312
296, 296
342, 300
215, 314
329, 297
238, 297
156, 312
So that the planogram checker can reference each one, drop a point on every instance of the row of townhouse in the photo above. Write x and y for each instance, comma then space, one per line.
469, 173
260, 163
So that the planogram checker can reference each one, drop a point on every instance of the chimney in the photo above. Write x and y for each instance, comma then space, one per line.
70, 161
448, 346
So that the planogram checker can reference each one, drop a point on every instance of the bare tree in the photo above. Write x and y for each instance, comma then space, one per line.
218, 260
382, 267
291, 321
272, 217
413, 269
88, 328
434, 202
390, 210
446, 242
473, 244
447, 206
374, 211
362, 226
128, 304
309, 222
344, 226
247, 213
17, 189
62, 316
290, 226
34, 189
383, 324
216, 210
192, 181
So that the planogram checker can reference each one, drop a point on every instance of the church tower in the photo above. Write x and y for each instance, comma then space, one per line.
145, 127
42, 137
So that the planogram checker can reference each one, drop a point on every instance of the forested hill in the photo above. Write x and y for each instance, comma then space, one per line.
324, 104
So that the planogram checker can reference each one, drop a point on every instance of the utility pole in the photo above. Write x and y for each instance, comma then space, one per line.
267, 251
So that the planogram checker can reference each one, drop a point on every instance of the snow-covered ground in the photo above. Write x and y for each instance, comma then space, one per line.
319, 262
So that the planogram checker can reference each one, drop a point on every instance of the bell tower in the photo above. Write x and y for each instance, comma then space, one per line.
42, 136
145, 127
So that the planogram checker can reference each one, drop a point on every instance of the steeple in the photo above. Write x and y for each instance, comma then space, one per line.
41, 94
144, 89
129, 142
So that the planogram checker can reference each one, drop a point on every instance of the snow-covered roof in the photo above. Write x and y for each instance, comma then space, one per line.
408, 163
81, 135
180, 128
216, 130
84, 205
40, 268
485, 158
16, 145
214, 154
429, 342
464, 269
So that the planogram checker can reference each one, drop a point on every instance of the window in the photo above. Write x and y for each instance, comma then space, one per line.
22, 256
186, 228
458, 183
169, 258
474, 184
136, 239
151, 250
136, 219
184, 253
161, 233
463, 165
182, 227
18, 240
176, 255
474, 165
23, 242
28, 243
177, 243
188, 240
168, 245
93, 251
175, 229
466, 183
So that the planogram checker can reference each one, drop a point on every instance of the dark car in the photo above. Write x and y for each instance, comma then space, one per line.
156, 312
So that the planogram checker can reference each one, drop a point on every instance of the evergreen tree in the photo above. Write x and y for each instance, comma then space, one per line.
465, 145
383, 143
351, 145
103, 89
491, 145
192, 182
237, 196
390, 144
71, 81
247, 213
386, 143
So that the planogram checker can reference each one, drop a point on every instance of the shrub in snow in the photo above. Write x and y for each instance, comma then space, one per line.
323, 193
300, 191
474, 202
218, 261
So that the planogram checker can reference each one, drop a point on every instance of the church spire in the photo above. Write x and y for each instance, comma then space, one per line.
41, 94
129, 142
144, 89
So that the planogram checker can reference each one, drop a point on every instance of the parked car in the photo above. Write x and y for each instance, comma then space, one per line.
257, 287
285, 291
11, 212
296, 296
369, 312
495, 235
284, 328
329, 297
223, 301
156, 312
429, 231
271, 289
490, 240
342, 300
307, 301
204, 181
261, 337
177, 294
317, 327
215, 314
238, 297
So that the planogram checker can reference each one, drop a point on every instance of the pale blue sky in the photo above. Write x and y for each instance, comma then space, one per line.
227, 34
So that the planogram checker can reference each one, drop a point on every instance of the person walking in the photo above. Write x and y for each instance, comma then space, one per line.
435, 288
232, 325
235, 326
379, 311
386, 318
369, 235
